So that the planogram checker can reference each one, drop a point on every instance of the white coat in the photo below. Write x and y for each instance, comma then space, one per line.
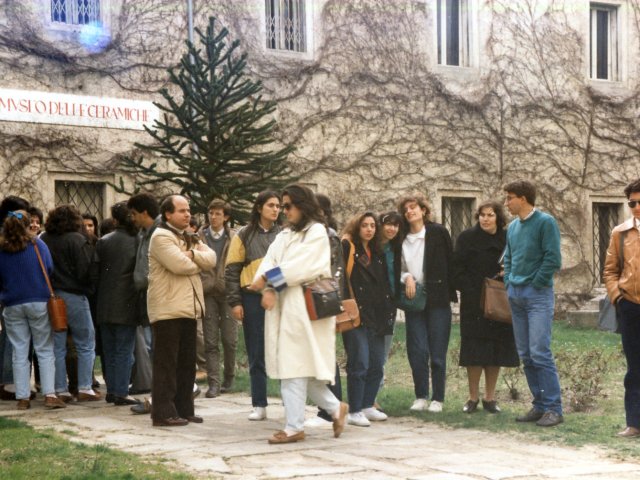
296, 347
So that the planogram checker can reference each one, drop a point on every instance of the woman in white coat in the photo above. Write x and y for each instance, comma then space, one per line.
299, 352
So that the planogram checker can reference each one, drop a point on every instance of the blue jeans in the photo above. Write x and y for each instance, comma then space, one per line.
427, 342
365, 366
629, 321
532, 312
83, 334
118, 342
253, 330
22, 323
6, 353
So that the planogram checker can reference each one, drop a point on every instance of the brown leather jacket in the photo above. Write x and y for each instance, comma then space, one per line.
625, 283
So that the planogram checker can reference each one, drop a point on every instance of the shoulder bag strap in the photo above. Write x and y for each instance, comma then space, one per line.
350, 263
44, 270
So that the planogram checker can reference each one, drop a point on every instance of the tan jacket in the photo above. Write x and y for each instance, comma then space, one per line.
627, 282
175, 288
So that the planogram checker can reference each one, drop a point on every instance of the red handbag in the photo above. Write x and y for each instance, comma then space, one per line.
55, 305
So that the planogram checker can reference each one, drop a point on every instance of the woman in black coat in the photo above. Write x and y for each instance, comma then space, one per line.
369, 281
486, 345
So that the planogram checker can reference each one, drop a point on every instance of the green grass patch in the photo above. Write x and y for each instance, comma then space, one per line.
588, 361
26, 453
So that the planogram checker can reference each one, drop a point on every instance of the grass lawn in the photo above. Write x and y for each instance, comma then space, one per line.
591, 367
26, 454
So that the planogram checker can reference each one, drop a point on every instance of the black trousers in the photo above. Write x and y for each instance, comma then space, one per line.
174, 368
629, 320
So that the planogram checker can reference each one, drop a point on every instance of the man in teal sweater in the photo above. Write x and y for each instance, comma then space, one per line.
531, 258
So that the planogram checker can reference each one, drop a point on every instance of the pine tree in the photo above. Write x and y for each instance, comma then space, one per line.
217, 134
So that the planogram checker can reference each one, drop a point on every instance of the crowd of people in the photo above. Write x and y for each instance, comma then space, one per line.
160, 299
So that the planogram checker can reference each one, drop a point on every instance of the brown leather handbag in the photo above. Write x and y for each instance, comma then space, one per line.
494, 301
349, 318
56, 306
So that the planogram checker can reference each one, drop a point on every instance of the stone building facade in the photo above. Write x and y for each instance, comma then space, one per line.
453, 98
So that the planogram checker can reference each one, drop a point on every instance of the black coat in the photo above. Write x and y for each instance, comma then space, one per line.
72, 254
438, 253
370, 283
114, 263
476, 257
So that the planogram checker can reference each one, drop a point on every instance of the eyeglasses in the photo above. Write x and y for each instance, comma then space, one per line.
511, 197
18, 215
633, 203
286, 206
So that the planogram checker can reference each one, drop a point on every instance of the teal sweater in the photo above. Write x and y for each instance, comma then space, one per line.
533, 251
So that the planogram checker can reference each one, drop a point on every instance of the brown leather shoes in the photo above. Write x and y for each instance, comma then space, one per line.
340, 420
629, 432
282, 437
195, 419
53, 402
171, 422
23, 404
87, 397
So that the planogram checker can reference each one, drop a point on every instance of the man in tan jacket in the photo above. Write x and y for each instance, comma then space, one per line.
622, 278
175, 301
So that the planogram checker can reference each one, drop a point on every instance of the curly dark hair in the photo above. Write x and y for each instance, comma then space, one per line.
498, 209
15, 232
352, 229
12, 203
633, 187
305, 200
522, 188
122, 214
63, 219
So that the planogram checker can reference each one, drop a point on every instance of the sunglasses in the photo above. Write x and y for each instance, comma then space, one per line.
18, 215
633, 203
286, 206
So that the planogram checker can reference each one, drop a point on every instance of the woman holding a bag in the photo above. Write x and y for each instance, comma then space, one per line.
426, 272
369, 284
485, 345
298, 351
24, 295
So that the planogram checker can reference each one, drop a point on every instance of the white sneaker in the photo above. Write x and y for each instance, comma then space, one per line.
435, 406
419, 405
317, 422
358, 419
258, 413
374, 415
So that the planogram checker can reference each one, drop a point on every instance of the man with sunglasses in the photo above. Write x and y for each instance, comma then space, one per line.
531, 258
621, 273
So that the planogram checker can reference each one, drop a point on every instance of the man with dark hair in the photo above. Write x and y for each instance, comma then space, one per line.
531, 258
145, 212
621, 273
217, 323
175, 300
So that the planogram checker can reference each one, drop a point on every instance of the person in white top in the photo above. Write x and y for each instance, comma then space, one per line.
426, 264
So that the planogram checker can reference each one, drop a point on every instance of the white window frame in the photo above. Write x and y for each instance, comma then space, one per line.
309, 32
614, 72
466, 33
72, 11
106, 7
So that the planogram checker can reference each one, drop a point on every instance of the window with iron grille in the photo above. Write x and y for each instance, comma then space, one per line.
75, 12
605, 217
453, 31
603, 34
286, 25
457, 214
88, 197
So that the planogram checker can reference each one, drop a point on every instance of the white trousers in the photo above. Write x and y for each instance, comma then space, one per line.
294, 396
